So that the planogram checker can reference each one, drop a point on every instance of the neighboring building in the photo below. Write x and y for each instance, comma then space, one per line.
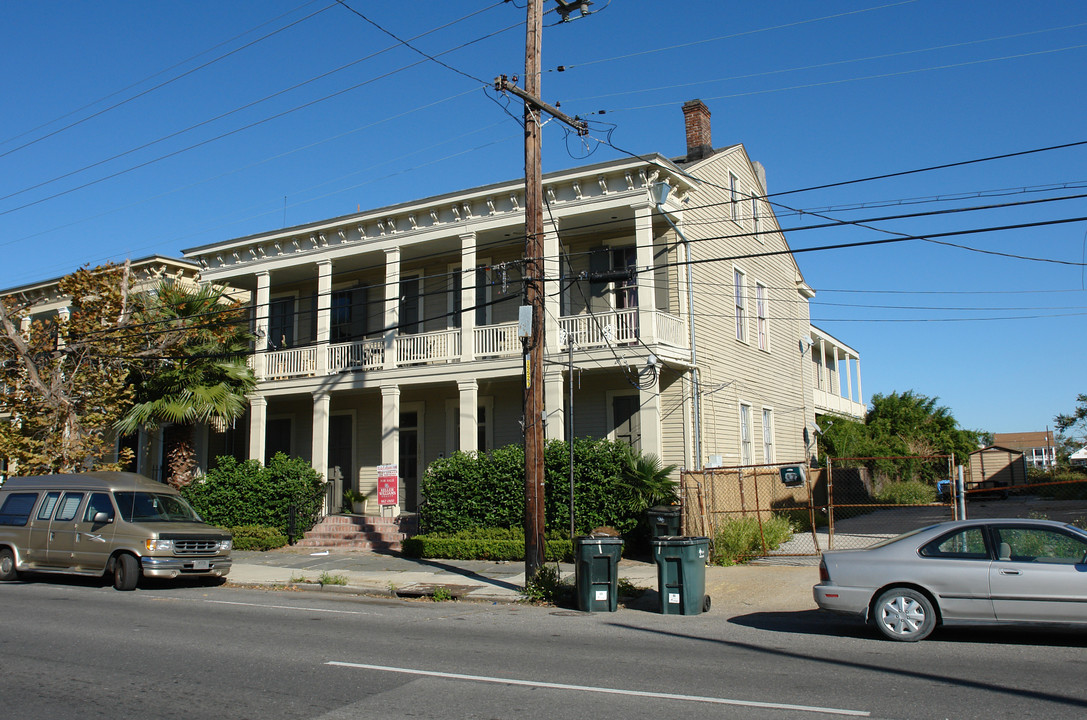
1078, 458
46, 301
1039, 448
390, 335
995, 467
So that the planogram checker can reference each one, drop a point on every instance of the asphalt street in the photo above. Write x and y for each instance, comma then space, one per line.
75, 648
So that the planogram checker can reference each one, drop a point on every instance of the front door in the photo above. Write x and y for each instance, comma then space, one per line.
340, 460
409, 460
93, 540
627, 424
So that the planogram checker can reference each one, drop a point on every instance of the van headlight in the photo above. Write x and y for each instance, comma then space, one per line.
225, 545
159, 545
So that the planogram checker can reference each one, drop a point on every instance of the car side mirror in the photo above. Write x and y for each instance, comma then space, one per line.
102, 517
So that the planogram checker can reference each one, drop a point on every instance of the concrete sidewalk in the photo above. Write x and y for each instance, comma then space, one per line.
733, 590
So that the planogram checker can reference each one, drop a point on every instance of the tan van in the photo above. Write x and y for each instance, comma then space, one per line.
100, 523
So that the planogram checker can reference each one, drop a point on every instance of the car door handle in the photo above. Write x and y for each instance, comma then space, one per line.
1009, 572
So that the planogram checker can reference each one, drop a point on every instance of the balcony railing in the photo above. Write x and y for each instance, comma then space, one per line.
490, 341
831, 402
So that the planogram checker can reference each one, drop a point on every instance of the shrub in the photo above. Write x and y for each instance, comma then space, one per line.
257, 537
246, 493
908, 492
481, 490
739, 539
485, 544
548, 587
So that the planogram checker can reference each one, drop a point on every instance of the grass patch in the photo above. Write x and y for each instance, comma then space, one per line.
739, 539
908, 492
548, 587
330, 579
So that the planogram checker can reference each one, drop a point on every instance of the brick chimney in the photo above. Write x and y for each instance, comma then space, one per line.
697, 118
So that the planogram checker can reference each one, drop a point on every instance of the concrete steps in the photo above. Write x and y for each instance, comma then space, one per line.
360, 532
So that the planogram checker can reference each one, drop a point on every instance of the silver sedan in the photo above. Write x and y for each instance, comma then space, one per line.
970, 571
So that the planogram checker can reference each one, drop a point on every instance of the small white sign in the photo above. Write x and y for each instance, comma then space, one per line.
673, 598
601, 594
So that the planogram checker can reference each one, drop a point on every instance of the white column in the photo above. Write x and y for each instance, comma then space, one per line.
860, 393
647, 300
390, 424
24, 328
324, 302
469, 415
392, 307
319, 446
467, 298
258, 419
63, 315
554, 405
261, 328
551, 286
849, 377
649, 420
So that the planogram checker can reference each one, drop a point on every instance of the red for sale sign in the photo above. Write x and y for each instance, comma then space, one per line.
388, 485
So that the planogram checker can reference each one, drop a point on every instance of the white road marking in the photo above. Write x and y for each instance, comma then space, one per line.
289, 607
608, 691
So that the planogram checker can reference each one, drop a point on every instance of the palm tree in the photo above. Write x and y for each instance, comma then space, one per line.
645, 481
196, 371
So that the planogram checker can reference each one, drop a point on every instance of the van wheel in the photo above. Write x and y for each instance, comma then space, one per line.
126, 572
7, 565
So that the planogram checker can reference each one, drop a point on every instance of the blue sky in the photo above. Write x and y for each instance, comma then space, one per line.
125, 133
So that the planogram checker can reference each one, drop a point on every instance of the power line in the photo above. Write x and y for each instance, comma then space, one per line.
162, 84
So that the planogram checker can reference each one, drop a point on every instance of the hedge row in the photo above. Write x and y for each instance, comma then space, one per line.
487, 490
484, 544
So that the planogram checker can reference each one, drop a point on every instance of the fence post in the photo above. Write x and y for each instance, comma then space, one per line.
830, 503
961, 495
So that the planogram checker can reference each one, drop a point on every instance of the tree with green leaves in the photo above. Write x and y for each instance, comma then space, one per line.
897, 425
1078, 417
200, 373
63, 375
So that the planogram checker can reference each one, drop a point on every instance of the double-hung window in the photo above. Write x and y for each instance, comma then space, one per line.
762, 317
768, 435
739, 284
746, 448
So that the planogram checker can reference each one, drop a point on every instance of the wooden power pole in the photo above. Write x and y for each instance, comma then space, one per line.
534, 285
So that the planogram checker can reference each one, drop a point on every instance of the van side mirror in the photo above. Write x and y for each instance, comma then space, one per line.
102, 517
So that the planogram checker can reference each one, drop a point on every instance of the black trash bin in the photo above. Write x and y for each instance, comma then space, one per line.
596, 575
665, 520
681, 574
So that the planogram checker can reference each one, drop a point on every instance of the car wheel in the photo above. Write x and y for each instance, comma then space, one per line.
7, 565
126, 572
904, 614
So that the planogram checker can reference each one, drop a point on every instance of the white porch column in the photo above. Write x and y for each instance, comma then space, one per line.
554, 406
63, 314
860, 393
469, 415
24, 328
324, 302
319, 447
258, 420
390, 434
551, 286
392, 308
849, 377
390, 424
647, 291
261, 328
649, 419
467, 299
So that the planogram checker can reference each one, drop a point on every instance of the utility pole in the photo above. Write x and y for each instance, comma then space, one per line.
534, 285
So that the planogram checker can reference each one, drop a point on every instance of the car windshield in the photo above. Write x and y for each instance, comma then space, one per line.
154, 507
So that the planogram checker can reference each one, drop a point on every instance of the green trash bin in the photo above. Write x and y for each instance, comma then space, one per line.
596, 573
681, 574
665, 520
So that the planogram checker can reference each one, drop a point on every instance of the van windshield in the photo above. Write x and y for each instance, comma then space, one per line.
154, 507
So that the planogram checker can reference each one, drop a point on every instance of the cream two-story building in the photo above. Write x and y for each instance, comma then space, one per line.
390, 336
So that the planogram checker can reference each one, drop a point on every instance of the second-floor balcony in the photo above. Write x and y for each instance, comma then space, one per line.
597, 330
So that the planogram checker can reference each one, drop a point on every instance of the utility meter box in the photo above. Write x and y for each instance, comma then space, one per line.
792, 475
